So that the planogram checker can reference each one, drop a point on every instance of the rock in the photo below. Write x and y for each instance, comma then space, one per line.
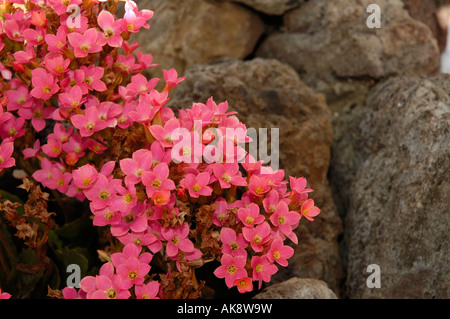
271, 7
425, 11
269, 94
399, 197
329, 42
183, 33
297, 288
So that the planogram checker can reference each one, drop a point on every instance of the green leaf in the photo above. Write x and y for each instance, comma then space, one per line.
75, 229
67, 256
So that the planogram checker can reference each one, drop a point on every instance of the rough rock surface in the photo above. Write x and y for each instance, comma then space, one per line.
297, 288
183, 33
269, 94
271, 7
329, 42
400, 196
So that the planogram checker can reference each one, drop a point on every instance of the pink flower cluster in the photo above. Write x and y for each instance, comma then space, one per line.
72, 74
126, 270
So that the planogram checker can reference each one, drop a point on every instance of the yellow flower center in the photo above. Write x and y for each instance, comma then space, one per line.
196, 188
226, 177
129, 218
249, 220
109, 215
85, 47
132, 274
231, 269
128, 198
156, 183
257, 239
104, 195
276, 255
281, 220
111, 293
234, 246
258, 268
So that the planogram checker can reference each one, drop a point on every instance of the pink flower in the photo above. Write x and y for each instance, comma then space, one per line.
232, 268
62, 6
280, 253
164, 134
32, 152
72, 293
44, 84
45, 175
233, 244
131, 265
258, 186
144, 238
283, 218
148, 291
221, 214
104, 287
106, 216
12, 128
56, 42
141, 85
4, 295
171, 78
111, 29
257, 236
197, 185
72, 98
228, 174
177, 240
125, 200
161, 197
134, 167
299, 190
91, 41
250, 215
263, 269
62, 179
271, 201
6, 151
53, 147
102, 193
89, 122
85, 176
135, 221
309, 210
56, 64
18, 98
37, 114
133, 272
90, 78
157, 179
243, 285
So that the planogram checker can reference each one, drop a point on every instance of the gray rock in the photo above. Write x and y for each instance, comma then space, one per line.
399, 196
271, 7
269, 94
183, 33
328, 42
297, 288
